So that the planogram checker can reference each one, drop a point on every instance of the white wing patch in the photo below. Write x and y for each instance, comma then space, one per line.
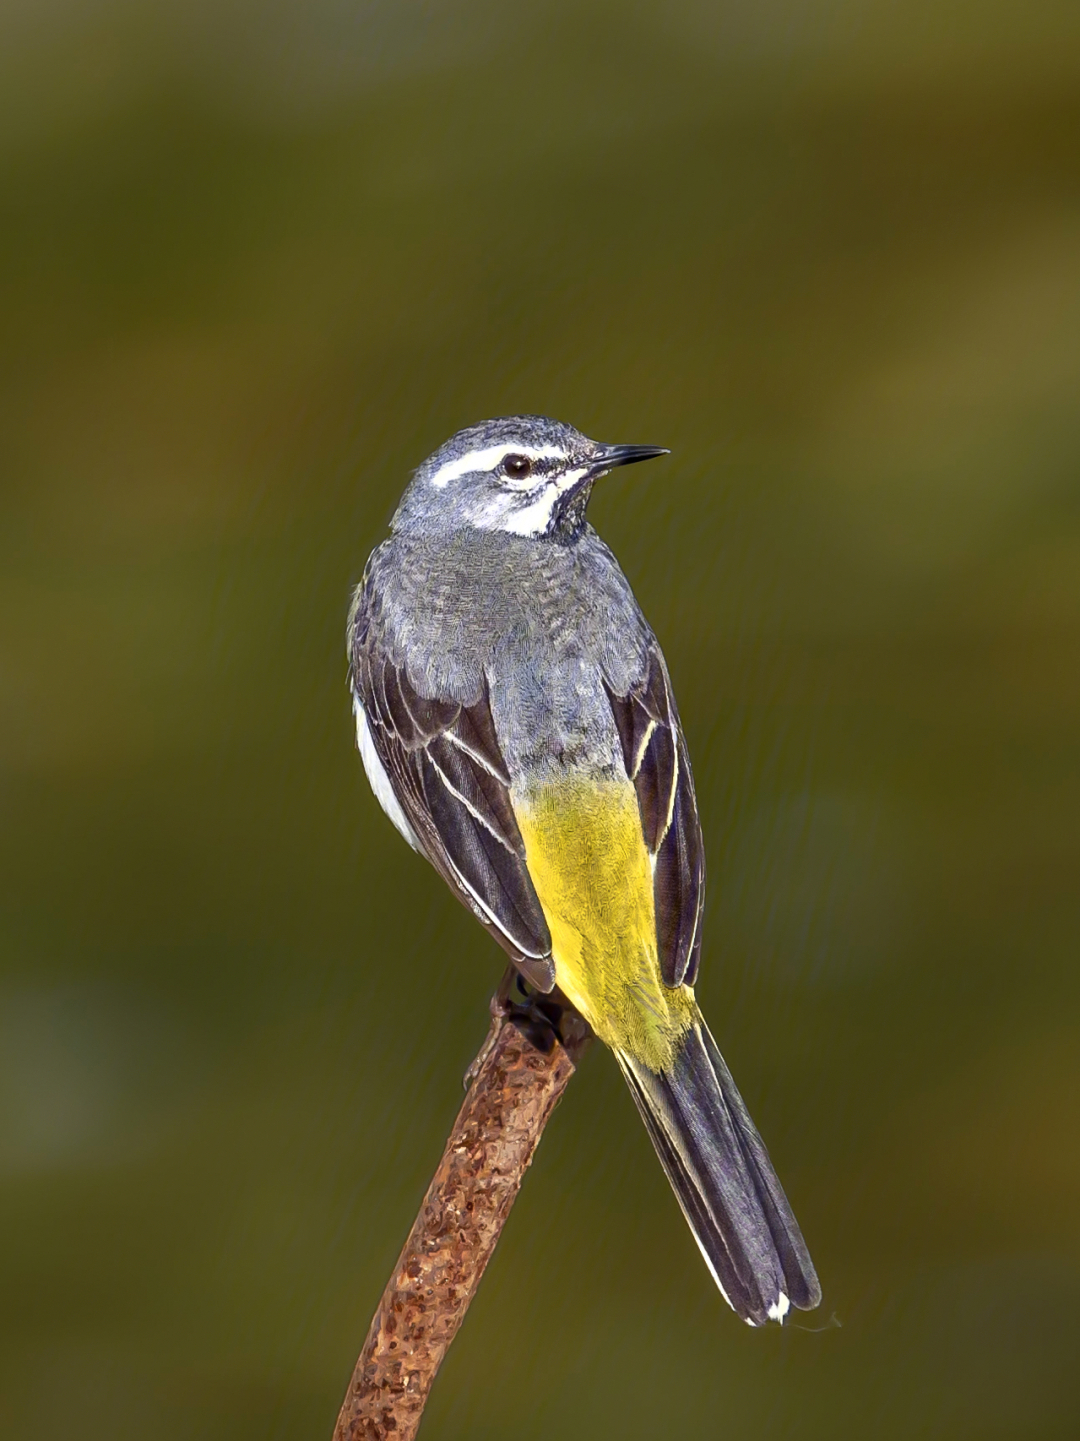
671, 798
643, 746
476, 815
377, 777
473, 755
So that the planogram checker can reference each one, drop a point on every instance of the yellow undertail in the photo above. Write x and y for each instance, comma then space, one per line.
587, 859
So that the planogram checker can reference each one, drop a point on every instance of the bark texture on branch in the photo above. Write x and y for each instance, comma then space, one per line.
518, 1077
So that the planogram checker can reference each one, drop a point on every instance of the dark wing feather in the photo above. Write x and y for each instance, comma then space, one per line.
447, 772
657, 762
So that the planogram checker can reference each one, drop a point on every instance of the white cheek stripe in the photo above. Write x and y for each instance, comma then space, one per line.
535, 518
489, 458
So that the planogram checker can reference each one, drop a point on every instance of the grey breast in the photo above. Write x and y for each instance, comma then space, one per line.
544, 627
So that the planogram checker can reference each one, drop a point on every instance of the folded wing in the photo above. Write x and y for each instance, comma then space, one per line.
447, 773
657, 762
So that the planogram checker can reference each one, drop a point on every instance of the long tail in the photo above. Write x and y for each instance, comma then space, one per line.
721, 1173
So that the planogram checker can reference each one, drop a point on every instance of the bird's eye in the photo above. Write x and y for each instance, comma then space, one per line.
517, 467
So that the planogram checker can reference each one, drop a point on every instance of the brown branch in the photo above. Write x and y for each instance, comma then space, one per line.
518, 1077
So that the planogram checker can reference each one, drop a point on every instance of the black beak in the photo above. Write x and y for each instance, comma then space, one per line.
571, 507
612, 455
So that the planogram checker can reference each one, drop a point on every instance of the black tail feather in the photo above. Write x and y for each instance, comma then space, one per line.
721, 1173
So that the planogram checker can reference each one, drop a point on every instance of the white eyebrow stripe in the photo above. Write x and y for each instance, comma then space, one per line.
489, 457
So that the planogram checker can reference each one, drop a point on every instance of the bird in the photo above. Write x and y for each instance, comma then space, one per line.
516, 721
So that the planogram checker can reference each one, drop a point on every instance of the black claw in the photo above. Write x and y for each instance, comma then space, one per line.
542, 1018
545, 1018
536, 1016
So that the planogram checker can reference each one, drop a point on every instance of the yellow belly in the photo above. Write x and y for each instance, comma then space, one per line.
587, 859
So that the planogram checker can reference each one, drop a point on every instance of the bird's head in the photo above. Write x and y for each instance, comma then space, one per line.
524, 475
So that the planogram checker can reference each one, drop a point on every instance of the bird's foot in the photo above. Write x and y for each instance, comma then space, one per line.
537, 1016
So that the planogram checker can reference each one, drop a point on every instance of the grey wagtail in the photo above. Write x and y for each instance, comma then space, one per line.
516, 721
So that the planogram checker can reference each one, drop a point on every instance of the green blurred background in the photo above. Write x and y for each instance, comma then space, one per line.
256, 262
